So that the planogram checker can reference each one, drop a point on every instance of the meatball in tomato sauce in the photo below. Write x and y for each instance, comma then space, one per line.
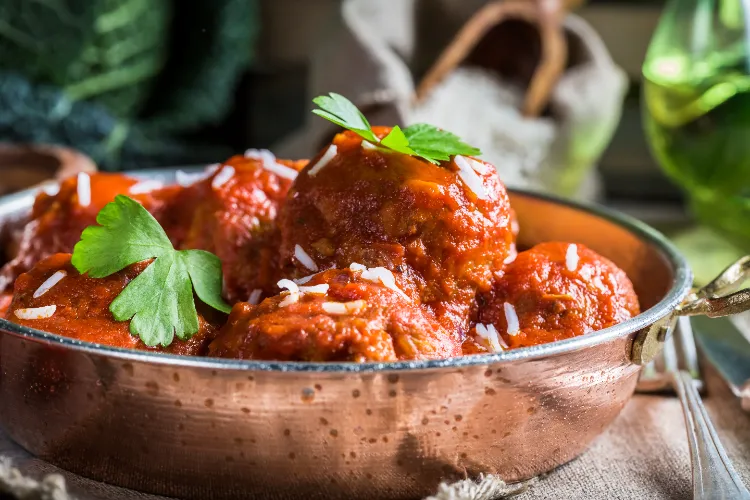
57, 220
53, 296
443, 230
232, 213
338, 315
553, 291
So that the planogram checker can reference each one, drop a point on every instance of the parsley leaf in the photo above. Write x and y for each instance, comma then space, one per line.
159, 302
397, 141
431, 143
341, 111
425, 141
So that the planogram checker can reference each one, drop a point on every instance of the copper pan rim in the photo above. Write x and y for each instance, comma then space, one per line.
680, 287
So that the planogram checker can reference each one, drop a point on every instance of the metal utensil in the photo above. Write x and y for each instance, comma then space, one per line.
714, 477
728, 350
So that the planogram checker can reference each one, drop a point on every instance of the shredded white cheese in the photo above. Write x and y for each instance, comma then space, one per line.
51, 189
329, 155
268, 161
378, 275
340, 308
316, 289
224, 176
145, 186
186, 179
467, 174
254, 298
571, 257
304, 258
490, 334
512, 256
514, 227
304, 279
36, 312
293, 289
514, 328
478, 166
84, 189
49, 283
290, 285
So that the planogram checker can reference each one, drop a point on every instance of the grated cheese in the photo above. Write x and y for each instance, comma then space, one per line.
571, 257
84, 189
224, 176
186, 179
329, 155
304, 258
36, 312
512, 257
316, 289
268, 161
49, 283
514, 328
254, 298
469, 176
340, 308
490, 334
145, 186
378, 275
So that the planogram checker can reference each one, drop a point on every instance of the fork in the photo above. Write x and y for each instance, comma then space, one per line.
676, 366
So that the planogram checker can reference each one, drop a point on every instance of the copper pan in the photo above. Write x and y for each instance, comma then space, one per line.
207, 428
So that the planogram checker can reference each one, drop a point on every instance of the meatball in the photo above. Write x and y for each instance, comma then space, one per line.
338, 315
232, 213
57, 220
81, 307
554, 291
444, 230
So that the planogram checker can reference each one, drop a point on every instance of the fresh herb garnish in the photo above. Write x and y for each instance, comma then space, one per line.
422, 140
159, 301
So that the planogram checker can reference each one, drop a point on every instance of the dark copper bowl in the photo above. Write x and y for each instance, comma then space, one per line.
213, 428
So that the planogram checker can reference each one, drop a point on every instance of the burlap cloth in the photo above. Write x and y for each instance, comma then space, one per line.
644, 454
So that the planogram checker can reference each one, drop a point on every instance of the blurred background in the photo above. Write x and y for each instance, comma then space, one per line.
141, 83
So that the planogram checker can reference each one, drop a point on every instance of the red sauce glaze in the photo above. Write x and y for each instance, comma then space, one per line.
553, 302
387, 327
82, 307
57, 221
5, 300
235, 220
419, 220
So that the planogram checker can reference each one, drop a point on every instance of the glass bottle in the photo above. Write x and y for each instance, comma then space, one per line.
696, 107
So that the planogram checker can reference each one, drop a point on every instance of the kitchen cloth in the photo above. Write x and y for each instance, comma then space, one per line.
374, 53
644, 455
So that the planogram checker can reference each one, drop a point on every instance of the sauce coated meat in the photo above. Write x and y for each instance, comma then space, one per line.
442, 240
58, 220
353, 320
556, 291
232, 214
396, 259
82, 307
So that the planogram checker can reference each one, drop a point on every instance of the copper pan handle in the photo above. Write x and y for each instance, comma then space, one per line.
720, 297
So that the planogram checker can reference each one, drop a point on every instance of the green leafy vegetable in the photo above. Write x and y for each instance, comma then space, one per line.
341, 111
422, 140
437, 144
159, 301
